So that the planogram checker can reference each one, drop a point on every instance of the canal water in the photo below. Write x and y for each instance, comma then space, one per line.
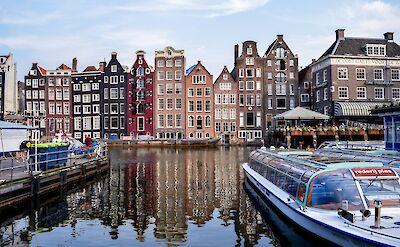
156, 197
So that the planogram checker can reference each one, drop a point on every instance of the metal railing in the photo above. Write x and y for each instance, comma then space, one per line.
25, 164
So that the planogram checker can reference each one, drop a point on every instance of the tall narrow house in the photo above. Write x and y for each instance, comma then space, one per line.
248, 72
281, 79
86, 95
199, 102
225, 106
58, 100
35, 89
140, 98
169, 94
113, 102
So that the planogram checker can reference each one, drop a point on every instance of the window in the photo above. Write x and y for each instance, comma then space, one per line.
395, 74
77, 109
86, 109
225, 77
199, 123
208, 121
86, 87
198, 79
325, 75
178, 120
249, 50
105, 93
361, 92
160, 63
241, 119
28, 82
198, 92
207, 91
114, 68
241, 99
114, 122
326, 93
160, 104
199, 106
191, 121
178, 88
170, 120
360, 73
178, 104
249, 85
280, 77
232, 99
66, 108
305, 98
379, 93
258, 100
249, 99
168, 63
178, 75
280, 103
160, 121
169, 88
113, 93
114, 79
250, 118
208, 106
86, 98
280, 89
306, 85
160, 89
96, 122
342, 74
96, 97
396, 93
160, 75
291, 63
280, 53
170, 75
291, 75
77, 98
121, 93
190, 92
269, 75
217, 99
35, 83
343, 92
258, 85
376, 50
105, 79
178, 63
114, 108
249, 60
378, 74
77, 123
217, 113
190, 106
291, 89
249, 72
258, 119
241, 72
52, 108
95, 86
50, 92
317, 78
77, 87
241, 85
170, 104
66, 93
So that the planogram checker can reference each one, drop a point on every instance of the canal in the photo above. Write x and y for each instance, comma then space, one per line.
155, 197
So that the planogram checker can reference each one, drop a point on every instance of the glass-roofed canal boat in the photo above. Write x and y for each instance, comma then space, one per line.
349, 202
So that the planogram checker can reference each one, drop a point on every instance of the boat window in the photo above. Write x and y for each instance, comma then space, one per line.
387, 191
301, 192
334, 189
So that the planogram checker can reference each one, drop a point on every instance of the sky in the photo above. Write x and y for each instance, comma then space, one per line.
53, 32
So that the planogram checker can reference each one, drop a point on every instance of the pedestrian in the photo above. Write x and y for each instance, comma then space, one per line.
88, 141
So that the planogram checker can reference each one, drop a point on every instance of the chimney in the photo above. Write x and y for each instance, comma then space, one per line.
102, 65
280, 37
236, 53
388, 36
339, 34
113, 54
74, 64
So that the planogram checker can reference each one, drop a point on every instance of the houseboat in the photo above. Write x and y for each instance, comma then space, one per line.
349, 202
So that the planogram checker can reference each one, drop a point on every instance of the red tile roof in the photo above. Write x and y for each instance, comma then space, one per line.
90, 68
63, 66
42, 71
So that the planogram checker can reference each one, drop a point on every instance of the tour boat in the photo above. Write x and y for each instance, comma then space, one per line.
349, 202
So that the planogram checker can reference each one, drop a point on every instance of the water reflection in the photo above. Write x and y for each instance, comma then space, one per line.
150, 196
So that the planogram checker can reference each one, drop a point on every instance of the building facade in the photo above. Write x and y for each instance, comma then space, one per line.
140, 98
35, 92
2, 79
86, 95
114, 102
199, 103
249, 76
9, 85
305, 87
280, 79
356, 74
58, 101
169, 86
225, 106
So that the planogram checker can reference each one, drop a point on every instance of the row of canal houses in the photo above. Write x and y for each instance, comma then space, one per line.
173, 101
167, 101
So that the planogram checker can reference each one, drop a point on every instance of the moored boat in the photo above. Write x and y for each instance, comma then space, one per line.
349, 202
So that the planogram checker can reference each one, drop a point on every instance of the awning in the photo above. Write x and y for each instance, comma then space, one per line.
300, 113
355, 108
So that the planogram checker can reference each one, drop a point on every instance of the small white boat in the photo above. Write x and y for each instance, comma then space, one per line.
346, 201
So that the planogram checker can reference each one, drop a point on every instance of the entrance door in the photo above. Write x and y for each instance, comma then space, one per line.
249, 136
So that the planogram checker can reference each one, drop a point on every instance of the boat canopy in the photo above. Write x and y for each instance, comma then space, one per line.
328, 182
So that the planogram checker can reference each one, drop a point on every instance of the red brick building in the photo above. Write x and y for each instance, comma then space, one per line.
199, 102
140, 98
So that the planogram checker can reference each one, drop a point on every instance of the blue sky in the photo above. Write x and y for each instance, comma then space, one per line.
53, 32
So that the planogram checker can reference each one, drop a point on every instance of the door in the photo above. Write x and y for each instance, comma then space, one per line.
249, 136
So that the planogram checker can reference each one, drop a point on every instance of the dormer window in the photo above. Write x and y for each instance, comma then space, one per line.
249, 50
376, 50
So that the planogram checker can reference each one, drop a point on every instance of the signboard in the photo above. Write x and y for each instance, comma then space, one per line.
374, 172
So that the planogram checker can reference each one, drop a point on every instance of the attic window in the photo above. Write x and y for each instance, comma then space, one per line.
280, 53
376, 50
249, 50
225, 77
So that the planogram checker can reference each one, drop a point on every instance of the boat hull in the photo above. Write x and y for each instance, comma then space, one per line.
296, 215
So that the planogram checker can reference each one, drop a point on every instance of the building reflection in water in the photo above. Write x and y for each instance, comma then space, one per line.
167, 189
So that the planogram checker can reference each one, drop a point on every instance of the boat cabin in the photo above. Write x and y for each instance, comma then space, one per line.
328, 182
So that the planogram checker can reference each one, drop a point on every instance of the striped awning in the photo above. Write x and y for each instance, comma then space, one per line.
355, 108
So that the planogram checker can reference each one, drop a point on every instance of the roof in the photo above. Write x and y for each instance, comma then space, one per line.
63, 66
190, 69
355, 108
90, 68
300, 113
356, 46
225, 71
10, 125
41, 70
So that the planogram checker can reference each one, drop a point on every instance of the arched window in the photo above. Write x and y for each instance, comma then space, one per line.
207, 135
280, 77
199, 122
140, 109
208, 121
191, 135
191, 121
280, 52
